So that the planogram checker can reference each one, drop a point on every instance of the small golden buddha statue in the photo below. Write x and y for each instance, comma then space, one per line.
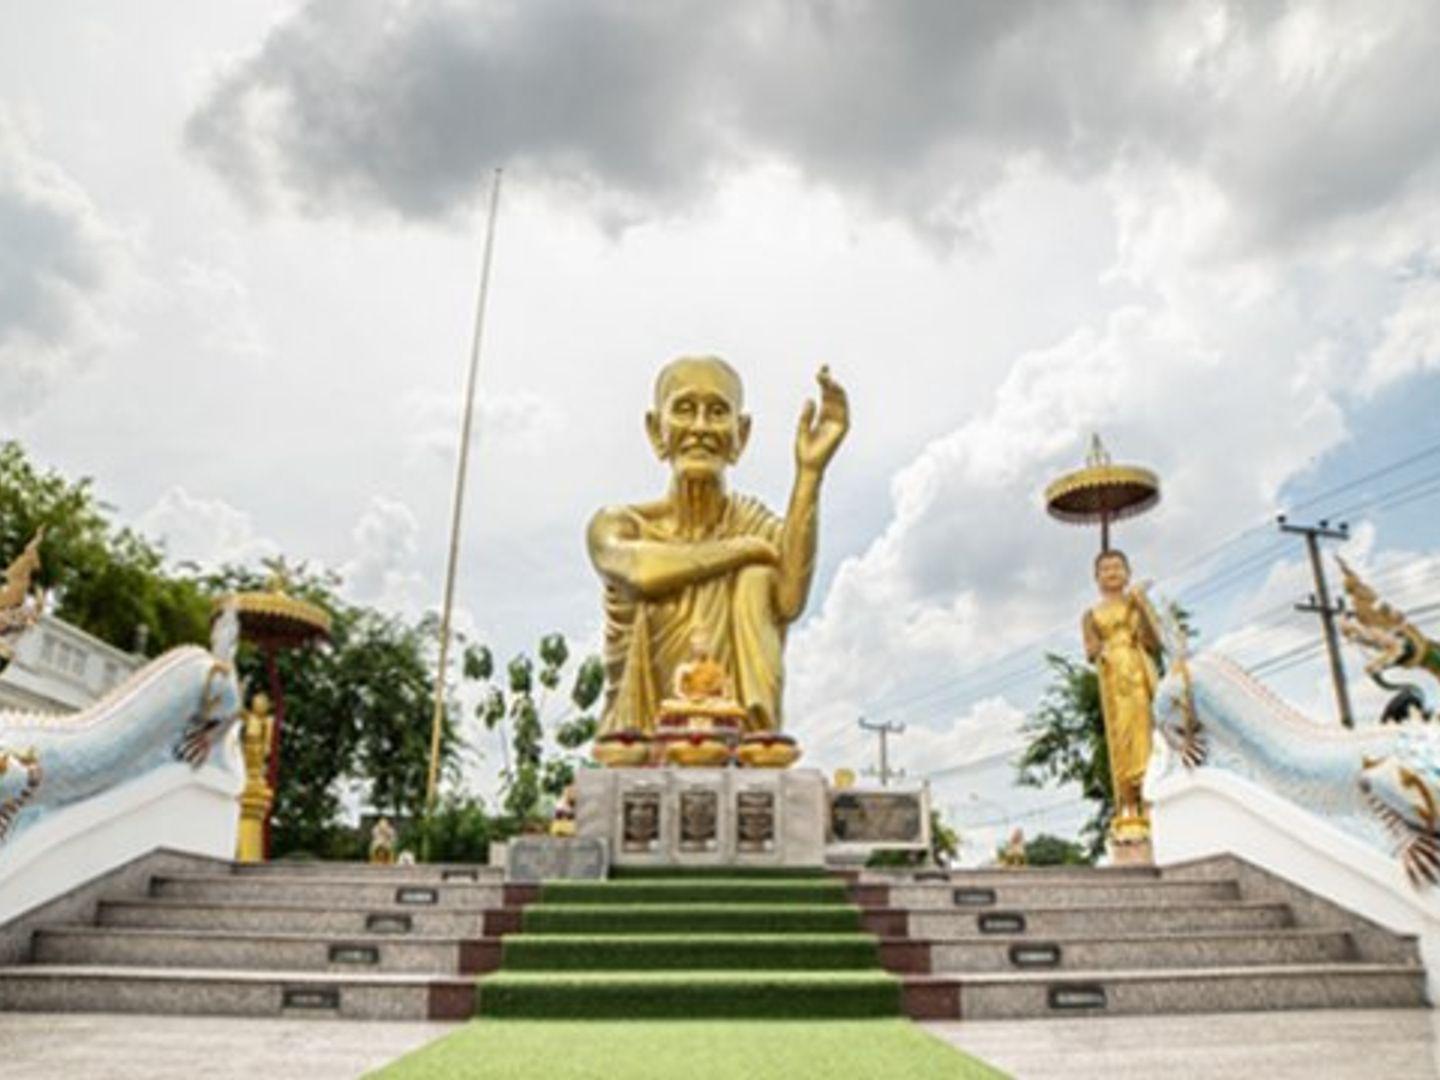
1122, 640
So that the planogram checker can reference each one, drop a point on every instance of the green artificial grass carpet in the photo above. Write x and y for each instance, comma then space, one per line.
690, 1050
698, 952
620, 995
683, 918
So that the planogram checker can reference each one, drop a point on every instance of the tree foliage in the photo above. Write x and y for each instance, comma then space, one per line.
1047, 850
534, 769
109, 581
1067, 743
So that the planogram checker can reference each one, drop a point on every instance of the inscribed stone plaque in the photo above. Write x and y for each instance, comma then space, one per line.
640, 822
555, 858
875, 817
699, 820
755, 821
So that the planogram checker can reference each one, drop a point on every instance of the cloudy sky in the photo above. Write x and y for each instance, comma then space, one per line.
239, 248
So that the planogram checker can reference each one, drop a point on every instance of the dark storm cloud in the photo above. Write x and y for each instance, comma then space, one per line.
915, 108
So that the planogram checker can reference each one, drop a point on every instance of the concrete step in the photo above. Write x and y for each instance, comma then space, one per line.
1140, 951
212, 949
1014, 996
200, 992
383, 919
477, 873
314, 889
1010, 875
1106, 921
1126, 892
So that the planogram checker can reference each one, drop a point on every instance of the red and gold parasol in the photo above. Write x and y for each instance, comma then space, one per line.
1102, 492
273, 620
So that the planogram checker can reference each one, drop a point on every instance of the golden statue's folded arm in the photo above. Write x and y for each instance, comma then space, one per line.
702, 561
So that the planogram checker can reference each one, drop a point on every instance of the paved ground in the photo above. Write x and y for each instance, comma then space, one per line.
1397, 1044
1394, 1044
36, 1046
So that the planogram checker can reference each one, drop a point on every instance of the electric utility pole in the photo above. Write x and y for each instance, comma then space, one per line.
1319, 603
884, 731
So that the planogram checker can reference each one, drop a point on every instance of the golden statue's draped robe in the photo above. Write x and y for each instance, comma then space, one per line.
647, 639
1126, 667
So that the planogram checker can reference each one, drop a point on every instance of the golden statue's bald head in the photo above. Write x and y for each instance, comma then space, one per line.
707, 370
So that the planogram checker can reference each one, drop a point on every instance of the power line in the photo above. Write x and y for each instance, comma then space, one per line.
963, 687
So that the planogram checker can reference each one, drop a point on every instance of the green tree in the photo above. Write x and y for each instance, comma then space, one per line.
533, 770
110, 582
1047, 850
1066, 745
358, 712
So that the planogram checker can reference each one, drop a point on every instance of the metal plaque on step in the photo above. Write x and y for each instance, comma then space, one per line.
417, 894
1001, 922
755, 822
384, 922
1043, 955
699, 820
1077, 998
354, 954
460, 875
310, 997
972, 897
640, 821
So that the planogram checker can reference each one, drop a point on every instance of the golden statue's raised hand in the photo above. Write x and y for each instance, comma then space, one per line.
818, 438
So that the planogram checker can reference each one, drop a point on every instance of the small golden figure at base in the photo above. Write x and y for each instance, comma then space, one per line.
382, 843
1013, 853
562, 823
257, 731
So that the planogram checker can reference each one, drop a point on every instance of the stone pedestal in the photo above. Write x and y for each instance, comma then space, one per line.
704, 817
1138, 852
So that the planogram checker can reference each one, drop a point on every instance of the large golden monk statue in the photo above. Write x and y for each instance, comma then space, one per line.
702, 563
1122, 639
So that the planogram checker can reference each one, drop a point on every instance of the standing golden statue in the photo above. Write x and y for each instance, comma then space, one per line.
1122, 639
703, 561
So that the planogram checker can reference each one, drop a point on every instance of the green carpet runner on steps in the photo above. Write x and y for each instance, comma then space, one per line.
692, 946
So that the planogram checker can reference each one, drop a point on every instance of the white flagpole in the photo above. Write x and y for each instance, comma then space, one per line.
458, 504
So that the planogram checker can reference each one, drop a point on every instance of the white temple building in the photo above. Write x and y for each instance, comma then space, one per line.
59, 668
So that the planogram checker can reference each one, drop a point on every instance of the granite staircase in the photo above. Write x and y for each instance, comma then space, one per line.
279, 939
208, 937
1217, 935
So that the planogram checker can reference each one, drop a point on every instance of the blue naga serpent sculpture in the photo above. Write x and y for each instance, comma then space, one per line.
176, 708
1381, 783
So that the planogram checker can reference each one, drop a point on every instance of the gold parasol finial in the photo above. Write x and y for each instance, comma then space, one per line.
1102, 492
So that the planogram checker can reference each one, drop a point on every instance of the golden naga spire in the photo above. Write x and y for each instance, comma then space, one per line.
17, 612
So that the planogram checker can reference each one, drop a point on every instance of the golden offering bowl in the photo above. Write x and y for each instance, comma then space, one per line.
765, 751
697, 751
624, 751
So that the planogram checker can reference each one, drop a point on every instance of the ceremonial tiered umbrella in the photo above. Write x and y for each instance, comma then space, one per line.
1102, 492
273, 621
